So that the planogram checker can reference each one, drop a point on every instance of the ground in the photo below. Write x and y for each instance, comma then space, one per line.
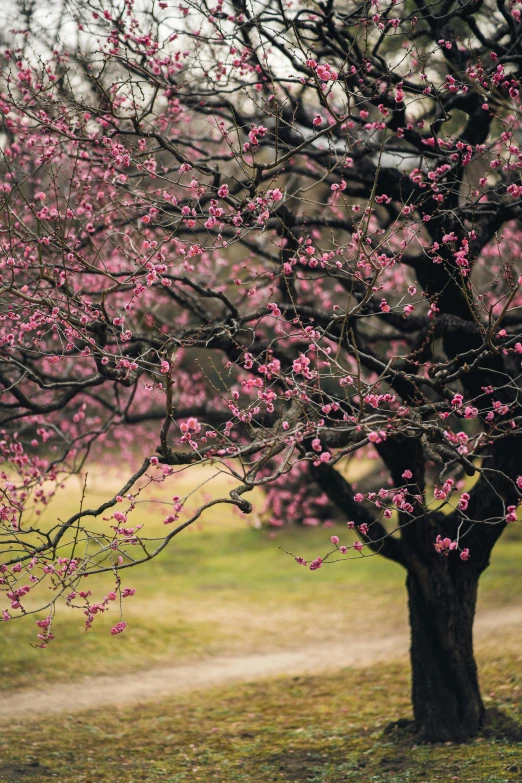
227, 590
326, 729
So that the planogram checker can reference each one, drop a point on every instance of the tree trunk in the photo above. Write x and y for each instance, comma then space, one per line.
445, 692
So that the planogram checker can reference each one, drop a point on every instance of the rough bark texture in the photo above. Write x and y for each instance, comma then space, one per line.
445, 692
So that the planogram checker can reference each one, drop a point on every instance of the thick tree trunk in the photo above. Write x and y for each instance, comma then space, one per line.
445, 690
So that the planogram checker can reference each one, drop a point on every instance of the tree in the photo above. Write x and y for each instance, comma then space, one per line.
270, 237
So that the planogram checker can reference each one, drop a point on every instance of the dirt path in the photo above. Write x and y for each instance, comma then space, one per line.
94, 692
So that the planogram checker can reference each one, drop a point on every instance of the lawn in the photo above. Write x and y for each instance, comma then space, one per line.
225, 587
328, 729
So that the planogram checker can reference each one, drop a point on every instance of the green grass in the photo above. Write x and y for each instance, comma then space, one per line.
227, 588
327, 729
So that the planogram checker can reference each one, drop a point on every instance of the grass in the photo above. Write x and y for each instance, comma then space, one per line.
327, 729
226, 588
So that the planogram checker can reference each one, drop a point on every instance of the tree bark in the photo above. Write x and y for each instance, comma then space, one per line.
445, 692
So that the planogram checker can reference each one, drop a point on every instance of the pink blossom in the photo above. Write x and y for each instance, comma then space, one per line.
511, 515
118, 628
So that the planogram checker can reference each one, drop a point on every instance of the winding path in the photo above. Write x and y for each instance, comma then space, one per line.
106, 691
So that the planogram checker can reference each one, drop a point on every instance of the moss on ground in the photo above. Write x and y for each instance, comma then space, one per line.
327, 729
